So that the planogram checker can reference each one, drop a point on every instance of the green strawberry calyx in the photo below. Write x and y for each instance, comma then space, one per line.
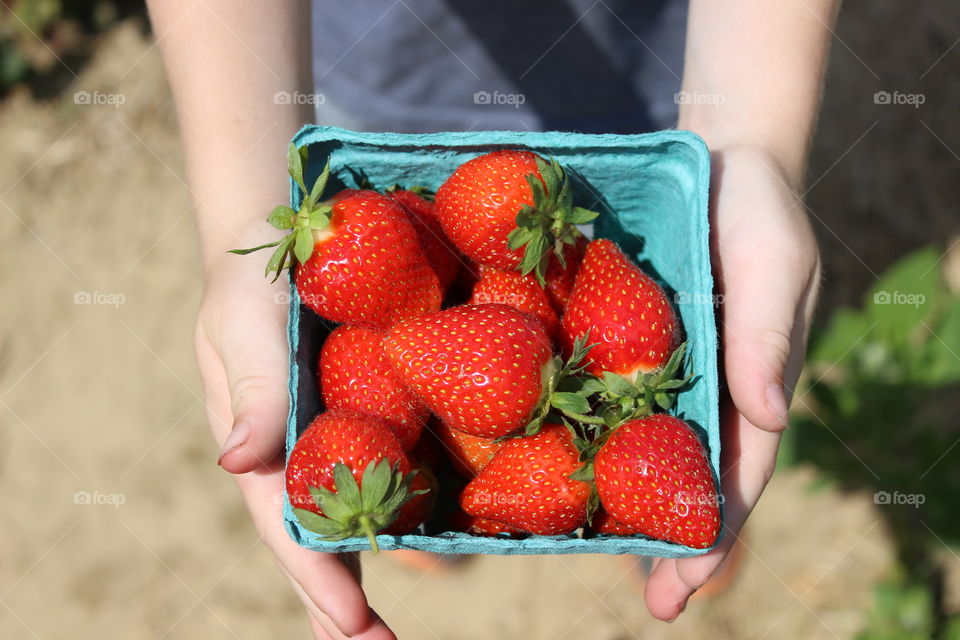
622, 399
550, 222
313, 215
566, 390
353, 510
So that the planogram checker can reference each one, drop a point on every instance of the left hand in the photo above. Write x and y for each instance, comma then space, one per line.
767, 269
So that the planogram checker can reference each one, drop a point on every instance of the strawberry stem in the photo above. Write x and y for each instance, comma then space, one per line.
367, 528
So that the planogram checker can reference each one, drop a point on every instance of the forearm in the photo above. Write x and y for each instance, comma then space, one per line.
226, 61
753, 75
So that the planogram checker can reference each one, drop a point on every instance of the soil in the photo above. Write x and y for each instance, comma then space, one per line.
118, 522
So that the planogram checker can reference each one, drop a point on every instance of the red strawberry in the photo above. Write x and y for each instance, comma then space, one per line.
469, 454
560, 277
507, 208
603, 522
519, 291
347, 476
355, 374
439, 251
526, 485
653, 476
481, 369
631, 325
487, 370
356, 257
480, 526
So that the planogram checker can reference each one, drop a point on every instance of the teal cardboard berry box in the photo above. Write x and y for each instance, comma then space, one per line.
651, 191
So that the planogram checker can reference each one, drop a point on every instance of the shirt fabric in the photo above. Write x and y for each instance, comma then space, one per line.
594, 66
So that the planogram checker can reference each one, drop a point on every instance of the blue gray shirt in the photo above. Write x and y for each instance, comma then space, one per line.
595, 66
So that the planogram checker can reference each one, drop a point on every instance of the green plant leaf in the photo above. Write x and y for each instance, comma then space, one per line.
319, 184
295, 166
521, 236
282, 217
618, 385
320, 218
345, 484
243, 252
579, 215
377, 481
570, 402
584, 473
303, 247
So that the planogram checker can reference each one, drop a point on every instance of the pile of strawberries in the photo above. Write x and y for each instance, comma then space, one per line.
493, 371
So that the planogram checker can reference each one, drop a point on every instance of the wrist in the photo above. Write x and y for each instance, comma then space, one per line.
782, 149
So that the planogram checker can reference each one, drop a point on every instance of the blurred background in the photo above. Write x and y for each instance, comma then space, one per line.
117, 522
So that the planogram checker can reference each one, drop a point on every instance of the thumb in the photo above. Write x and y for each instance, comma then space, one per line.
765, 322
254, 356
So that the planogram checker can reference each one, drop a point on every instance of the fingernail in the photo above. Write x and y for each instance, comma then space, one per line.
777, 403
237, 438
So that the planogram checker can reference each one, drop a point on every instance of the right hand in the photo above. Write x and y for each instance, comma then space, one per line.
242, 355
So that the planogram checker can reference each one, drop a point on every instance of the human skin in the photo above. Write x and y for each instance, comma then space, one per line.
226, 60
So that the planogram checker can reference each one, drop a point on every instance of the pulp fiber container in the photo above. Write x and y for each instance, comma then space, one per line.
651, 191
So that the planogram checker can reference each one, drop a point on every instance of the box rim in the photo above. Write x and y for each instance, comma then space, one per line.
447, 542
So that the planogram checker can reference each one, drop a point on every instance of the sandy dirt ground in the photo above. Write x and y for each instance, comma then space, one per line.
117, 522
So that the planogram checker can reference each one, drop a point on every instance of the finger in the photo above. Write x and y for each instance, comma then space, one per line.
318, 631
323, 627
254, 356
748, 460
765, 324
327, 583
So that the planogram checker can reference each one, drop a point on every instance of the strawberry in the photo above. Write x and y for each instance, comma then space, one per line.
561, 274
603, 522
437, 248
627, 314
356, 257
633, 333
527, 485
506, 209
486, 370
481, 526
355, 374
652, 475
347, 476
469, 454
519, 291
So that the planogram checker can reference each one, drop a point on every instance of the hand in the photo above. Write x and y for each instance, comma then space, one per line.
767, 269
242, 354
